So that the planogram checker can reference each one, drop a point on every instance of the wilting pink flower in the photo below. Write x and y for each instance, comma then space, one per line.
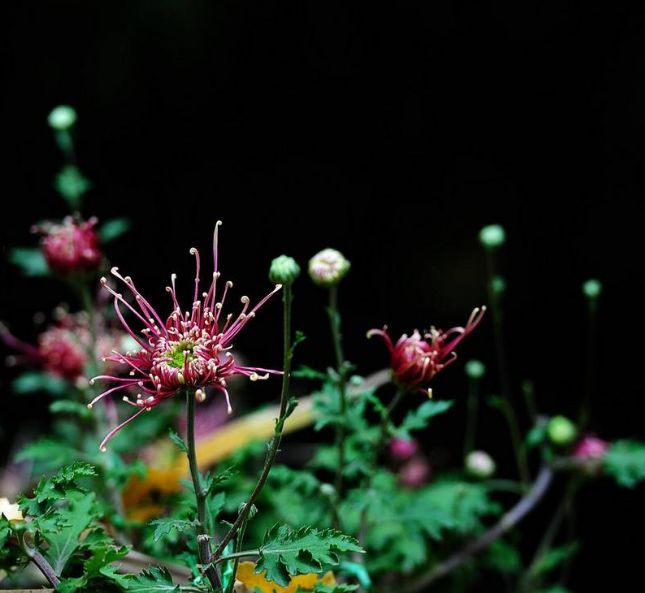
590, 447
403, 449
415, 472
415, 360
190, 349
71, 246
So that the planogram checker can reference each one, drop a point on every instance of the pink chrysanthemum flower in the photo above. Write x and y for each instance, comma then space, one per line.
71, 246
416, 359
191, 349
590, 447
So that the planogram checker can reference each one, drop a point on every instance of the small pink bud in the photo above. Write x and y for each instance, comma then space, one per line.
590, 447
403, 449
415, 472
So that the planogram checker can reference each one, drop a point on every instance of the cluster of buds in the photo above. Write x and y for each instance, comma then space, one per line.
70, 247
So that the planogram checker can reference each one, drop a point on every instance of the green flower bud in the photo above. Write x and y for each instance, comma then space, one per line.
592, 288
284, 270
561, 431
475, 369
327, 490
480, 465
62, 118
492, 236
328, 267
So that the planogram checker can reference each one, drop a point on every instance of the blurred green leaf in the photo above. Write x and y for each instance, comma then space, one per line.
419, 419
40, 381
30, 260
625, 461
113, 229
71, 184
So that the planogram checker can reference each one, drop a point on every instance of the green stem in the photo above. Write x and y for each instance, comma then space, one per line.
341, 429
237, 555
203, 545
472, 405
504, 375
41, 562
274, 446
549, 536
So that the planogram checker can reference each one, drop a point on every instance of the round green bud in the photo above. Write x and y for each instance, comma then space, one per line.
475, 369
480, 465
561, 431
284, 270
328, 267
592, 288
62, 118
492, 236
327, 490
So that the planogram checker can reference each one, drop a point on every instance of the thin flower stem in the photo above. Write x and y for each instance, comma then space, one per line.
531, 573
41, 562
237, 555
100, 426
509, 520
585, 410
472, 405
341, 429
504, 375
203, 545
277, 437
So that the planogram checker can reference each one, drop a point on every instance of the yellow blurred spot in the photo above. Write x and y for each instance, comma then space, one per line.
248, 581
10, 511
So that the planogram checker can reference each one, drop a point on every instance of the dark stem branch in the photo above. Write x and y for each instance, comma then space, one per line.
507, 522
277, 437
203, 539
41, 562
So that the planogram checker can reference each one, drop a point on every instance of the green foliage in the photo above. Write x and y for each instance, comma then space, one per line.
40, 381
419, 418
166, 525
555, 557
48, 453
113, 229
175, 438
68, 406
71, 184
322, 588
286, 552
503, 558
30, 260
625, 461
306, 372
156, 579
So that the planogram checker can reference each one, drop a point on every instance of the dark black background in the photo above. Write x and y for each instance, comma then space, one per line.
393, 132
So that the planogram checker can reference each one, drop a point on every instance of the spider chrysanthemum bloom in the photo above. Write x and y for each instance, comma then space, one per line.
191, 349
71, 246
416, 359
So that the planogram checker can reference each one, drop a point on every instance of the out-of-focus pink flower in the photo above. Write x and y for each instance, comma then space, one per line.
64, 349
590, 447
416, 359
71, 246
415, 472
403, 449
190, 349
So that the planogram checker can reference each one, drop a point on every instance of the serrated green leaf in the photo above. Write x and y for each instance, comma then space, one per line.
30, 260
287, 552
113, 229
625, 461
322, 588
154, 580
63, 535
166, 525
37, 381
175, 438
419, 419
